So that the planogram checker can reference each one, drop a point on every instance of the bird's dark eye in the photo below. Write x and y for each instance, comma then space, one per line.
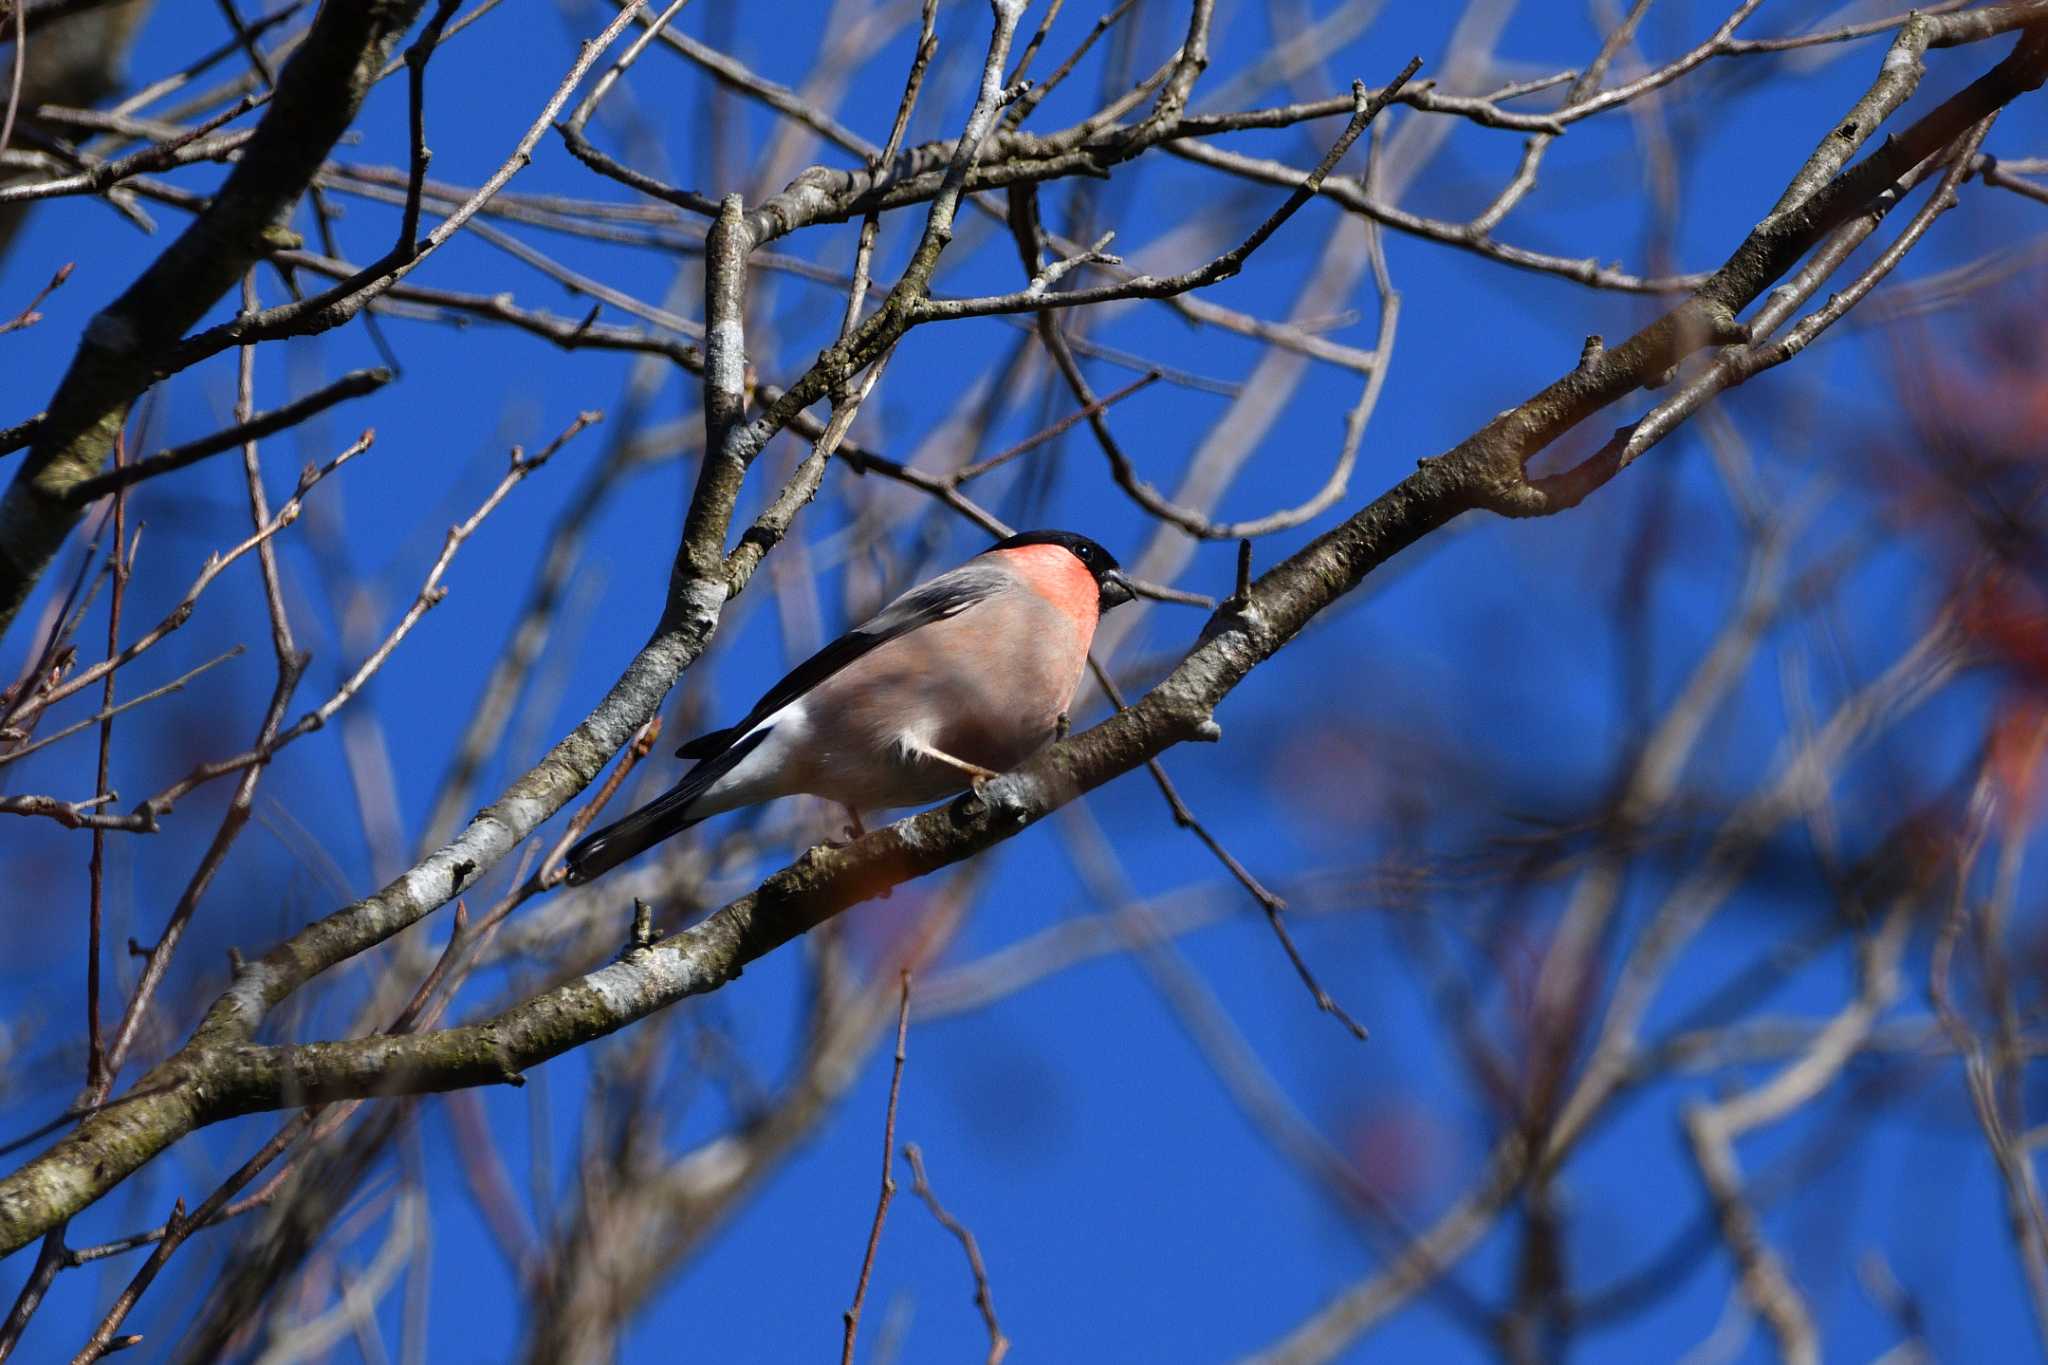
1087, 555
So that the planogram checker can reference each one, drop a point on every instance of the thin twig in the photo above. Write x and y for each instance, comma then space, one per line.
921, 1186
1267, 901
354, 384
287, 513
342, 301
120, 564
29, 317
867, 1261
1053, 432
431, 593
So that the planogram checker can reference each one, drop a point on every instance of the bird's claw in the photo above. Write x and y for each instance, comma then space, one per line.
853, 829
978, 783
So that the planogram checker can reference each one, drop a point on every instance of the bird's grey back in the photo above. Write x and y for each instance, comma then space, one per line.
936, 599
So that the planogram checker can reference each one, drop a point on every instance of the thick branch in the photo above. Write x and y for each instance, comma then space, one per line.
317, 96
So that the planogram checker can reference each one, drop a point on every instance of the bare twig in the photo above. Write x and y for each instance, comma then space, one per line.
120, 564
867, 1261
29, 317
921, 1186
431, 594
348, 297
287, 513
354, 384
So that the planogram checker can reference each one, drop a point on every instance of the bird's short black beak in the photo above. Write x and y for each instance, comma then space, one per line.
1116, 590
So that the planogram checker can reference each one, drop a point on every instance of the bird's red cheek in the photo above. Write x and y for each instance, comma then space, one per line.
1054, 574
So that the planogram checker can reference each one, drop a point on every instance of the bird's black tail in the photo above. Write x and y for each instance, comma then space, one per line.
596, 854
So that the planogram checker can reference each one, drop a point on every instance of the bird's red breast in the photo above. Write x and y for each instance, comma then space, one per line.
1055, 574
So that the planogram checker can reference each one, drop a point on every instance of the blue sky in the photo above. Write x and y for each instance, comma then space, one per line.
1127, 1209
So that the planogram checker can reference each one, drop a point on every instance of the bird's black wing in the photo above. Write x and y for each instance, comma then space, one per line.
947, 595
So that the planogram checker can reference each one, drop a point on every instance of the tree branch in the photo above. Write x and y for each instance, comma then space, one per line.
317, 96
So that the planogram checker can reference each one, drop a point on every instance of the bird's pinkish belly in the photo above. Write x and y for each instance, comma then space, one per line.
989, 692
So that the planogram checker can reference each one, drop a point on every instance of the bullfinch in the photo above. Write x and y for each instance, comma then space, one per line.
958, 680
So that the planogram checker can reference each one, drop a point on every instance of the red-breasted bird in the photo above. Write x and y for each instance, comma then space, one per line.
954, 682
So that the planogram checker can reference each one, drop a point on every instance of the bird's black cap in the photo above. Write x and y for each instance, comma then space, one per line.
1089, 552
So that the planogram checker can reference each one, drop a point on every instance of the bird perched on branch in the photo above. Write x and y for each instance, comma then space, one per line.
954, 682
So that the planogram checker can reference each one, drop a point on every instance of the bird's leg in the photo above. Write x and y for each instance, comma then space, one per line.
1062, 727
975, 772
